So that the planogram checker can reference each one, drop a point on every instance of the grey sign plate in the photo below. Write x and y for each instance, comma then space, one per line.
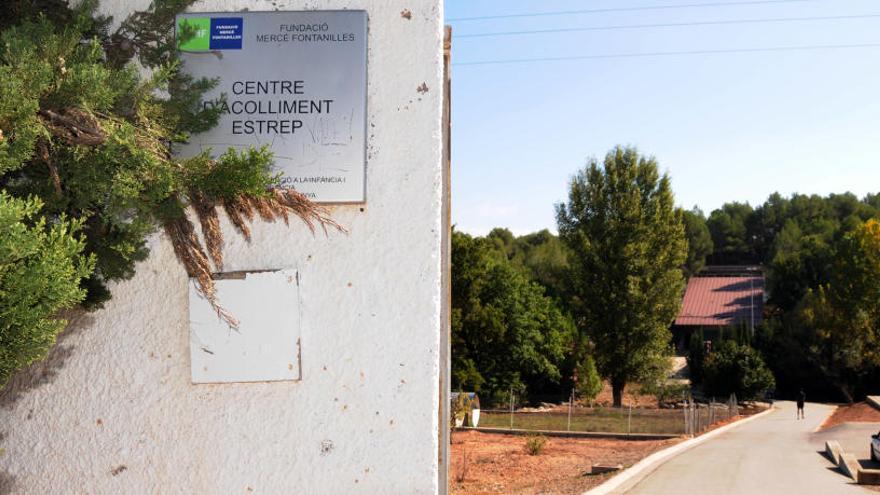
296, 81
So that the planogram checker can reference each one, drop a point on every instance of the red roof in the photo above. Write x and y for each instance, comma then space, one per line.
720, 301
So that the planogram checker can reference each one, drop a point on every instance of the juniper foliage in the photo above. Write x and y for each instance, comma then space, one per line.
41, 266
89, 119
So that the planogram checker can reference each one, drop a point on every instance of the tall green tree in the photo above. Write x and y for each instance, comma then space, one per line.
628, 245
541, 255
505, 332
835, 328
699, 241
730, 235
800, 261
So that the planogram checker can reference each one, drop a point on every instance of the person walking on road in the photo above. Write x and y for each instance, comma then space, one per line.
801, 398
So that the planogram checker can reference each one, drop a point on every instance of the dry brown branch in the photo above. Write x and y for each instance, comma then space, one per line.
43, 149
308, 211
264, 208
189, 251
280, 203
74, 126
210, 221
237, 219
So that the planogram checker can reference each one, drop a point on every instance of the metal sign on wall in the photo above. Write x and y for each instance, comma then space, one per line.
266, 344
296, 81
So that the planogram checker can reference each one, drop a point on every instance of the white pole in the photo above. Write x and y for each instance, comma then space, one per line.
629, 420
752, 307
570, 402
511, 408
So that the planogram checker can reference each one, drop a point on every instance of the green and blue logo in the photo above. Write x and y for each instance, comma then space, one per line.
200, 34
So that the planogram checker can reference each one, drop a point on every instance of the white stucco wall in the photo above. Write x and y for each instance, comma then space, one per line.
113, 410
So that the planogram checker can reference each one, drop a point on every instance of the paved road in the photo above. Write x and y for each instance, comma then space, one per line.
772, 454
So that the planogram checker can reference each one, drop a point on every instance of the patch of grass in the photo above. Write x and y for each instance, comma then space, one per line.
535, 444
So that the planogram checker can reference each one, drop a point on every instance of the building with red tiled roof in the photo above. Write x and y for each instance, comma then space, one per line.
720, 297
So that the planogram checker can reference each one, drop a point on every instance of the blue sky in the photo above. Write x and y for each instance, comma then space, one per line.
724, 126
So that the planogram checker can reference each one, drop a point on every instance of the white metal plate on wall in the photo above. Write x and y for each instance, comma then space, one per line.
265, 346
295, 81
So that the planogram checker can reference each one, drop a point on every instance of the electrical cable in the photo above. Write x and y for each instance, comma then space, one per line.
668, 25
670, 53
624, 9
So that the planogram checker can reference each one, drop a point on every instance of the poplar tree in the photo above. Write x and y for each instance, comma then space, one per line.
628, 245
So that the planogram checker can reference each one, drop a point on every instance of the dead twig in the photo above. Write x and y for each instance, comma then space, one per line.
288, 200
74, 126
279, 203
238, 216
189, 251
206, 211
43, 149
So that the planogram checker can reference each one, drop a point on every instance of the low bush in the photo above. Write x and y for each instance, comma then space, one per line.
589, 383
736, 369
535, 444
667, 392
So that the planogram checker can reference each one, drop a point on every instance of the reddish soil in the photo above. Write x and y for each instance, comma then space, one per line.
488, 463
632, 396
858, 412
484, 463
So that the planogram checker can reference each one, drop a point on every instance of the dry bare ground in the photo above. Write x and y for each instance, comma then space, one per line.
484, 463
632, 396
860, 412
489, 463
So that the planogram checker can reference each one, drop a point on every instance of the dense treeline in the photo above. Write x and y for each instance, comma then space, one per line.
520, 320
506, 333
820, 258
600, 297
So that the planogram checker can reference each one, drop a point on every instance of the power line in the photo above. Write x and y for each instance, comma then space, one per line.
671, 53
667, 25
623, 9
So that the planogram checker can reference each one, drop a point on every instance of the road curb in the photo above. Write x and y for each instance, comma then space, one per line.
640, 470
570, 434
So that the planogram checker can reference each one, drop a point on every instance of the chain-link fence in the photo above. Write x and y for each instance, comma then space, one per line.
698, 417
690, 418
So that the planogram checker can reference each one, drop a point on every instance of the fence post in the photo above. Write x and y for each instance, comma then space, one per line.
703, 421
687, 418
691, 417
570, 402
511, 408
629, 421
685, 411
687, 408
